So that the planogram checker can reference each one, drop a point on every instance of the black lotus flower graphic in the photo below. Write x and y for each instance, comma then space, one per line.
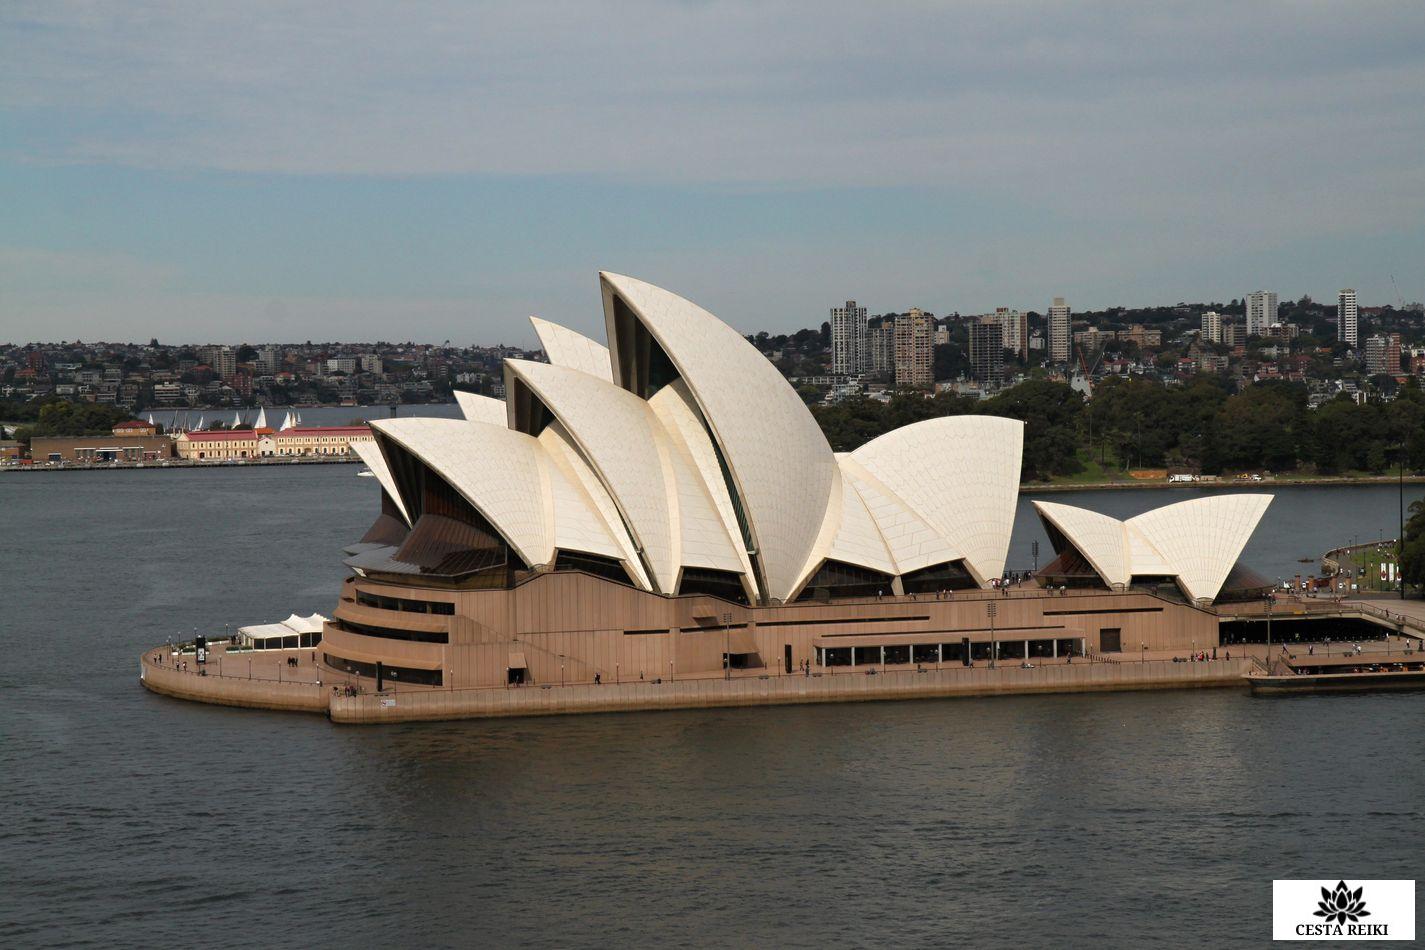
1342, 904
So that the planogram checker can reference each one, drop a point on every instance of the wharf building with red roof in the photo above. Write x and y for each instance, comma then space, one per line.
267, 443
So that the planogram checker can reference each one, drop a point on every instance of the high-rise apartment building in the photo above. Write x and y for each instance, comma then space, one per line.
1383, 354
222, 359
1212, 326
848, 340
987, 351
1261, 312
1346, 328
1234, 334
267, 361
1014, 330
915, 348
1060, 332
881, 348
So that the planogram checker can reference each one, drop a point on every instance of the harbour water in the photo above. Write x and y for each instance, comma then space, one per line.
1073, 820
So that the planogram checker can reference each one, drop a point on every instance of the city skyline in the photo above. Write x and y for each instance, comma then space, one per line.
515, 337
193, 174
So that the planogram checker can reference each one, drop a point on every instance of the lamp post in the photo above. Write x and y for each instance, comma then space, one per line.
992, 609
1269, 634
727, 646
1400, 538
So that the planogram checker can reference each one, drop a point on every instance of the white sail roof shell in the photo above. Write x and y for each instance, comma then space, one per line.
708, 513
782, 466
912, 542
477, 408
497, 470
858, 539
961, 475
621, 439
508, 477
562, 452
1101, 539
1196, 541
1202, 538
565, 347
370, 453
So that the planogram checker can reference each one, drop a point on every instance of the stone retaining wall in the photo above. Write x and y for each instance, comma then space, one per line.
233, 691
411, 705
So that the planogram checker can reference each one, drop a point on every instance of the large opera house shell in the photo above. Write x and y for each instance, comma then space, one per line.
678, 460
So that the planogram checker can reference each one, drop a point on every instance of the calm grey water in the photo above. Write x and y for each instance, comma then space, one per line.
1107, 820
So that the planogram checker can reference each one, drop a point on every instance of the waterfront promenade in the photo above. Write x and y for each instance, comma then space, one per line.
267, 682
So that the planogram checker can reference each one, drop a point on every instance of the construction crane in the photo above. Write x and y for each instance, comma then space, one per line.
1399, 300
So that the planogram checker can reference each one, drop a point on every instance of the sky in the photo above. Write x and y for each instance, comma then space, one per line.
439, 170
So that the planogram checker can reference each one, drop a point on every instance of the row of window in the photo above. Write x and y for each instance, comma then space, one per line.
961, 652
396, 674
394, 633
405, 604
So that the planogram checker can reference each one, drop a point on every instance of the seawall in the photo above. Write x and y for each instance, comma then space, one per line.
232, 690
435, 704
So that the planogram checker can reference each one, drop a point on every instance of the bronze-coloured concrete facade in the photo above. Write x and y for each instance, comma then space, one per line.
562, 627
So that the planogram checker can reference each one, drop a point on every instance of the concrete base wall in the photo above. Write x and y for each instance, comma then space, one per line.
232, 691
414, 705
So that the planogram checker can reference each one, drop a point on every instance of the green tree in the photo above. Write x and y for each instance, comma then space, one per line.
1051, 415
1412, 559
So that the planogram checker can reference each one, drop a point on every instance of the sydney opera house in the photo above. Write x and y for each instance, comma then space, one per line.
666, 506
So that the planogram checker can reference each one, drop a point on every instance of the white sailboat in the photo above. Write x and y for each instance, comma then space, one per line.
261, 422
287, 421
237, 420
150, 419
199, 426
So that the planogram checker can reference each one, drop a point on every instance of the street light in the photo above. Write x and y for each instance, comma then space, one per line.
992, 609
1269, 634
727, 646
1400, 538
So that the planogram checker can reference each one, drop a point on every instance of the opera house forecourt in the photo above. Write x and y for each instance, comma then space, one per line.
660, 522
